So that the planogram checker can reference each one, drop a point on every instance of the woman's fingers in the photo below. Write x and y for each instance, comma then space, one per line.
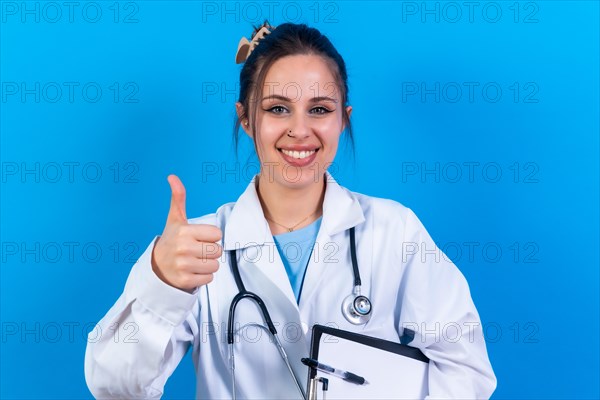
186, 255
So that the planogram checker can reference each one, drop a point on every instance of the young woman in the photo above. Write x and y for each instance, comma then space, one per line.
288, 238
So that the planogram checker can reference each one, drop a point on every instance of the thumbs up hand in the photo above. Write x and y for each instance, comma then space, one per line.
185, 255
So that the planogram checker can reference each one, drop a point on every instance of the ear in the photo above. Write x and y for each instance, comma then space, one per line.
349, 112
239, 108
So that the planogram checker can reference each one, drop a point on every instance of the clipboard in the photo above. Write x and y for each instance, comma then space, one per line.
392, 370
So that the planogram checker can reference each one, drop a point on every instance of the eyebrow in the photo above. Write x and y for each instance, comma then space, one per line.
313, 100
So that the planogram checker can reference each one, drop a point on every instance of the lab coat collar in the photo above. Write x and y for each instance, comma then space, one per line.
247, 226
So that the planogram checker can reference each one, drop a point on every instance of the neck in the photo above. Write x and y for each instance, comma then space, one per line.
288, 207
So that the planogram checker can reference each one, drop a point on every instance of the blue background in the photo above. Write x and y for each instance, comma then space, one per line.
167, 77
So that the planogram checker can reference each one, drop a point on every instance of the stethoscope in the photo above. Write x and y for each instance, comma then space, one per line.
356, 308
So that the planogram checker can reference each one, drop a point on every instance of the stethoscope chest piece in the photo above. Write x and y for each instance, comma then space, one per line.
356, 308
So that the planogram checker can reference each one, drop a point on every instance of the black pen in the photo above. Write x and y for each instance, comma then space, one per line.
345, 375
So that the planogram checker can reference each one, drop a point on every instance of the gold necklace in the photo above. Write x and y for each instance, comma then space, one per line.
290, 229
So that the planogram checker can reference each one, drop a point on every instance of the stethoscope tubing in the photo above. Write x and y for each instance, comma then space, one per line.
245, 294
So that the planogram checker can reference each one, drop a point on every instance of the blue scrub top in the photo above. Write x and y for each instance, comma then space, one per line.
295, 249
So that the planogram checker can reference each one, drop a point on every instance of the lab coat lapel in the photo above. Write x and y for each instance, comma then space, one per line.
248, 232
246, 225
341, 211
263, 273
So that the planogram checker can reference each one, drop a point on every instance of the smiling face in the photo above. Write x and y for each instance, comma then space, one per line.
298, 121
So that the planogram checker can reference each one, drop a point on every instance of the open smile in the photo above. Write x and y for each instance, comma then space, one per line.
299, 155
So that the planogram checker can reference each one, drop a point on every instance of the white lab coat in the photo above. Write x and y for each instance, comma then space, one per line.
409, 281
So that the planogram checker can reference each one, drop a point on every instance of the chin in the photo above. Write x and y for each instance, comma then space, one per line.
296, 178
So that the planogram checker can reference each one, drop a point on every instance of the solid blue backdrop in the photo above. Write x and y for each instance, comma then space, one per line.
480, 116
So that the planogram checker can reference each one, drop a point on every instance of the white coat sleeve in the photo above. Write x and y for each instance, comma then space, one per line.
141, 340
436, 304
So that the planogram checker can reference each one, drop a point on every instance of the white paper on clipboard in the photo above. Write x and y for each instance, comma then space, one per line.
392, 370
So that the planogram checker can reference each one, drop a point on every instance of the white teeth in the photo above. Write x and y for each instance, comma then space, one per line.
298, 154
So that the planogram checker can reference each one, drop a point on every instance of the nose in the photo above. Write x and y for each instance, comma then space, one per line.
299, 127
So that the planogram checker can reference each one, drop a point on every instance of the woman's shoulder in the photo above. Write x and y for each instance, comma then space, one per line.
213, 218
380, 207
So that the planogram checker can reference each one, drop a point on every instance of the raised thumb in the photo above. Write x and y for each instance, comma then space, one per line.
177, 211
